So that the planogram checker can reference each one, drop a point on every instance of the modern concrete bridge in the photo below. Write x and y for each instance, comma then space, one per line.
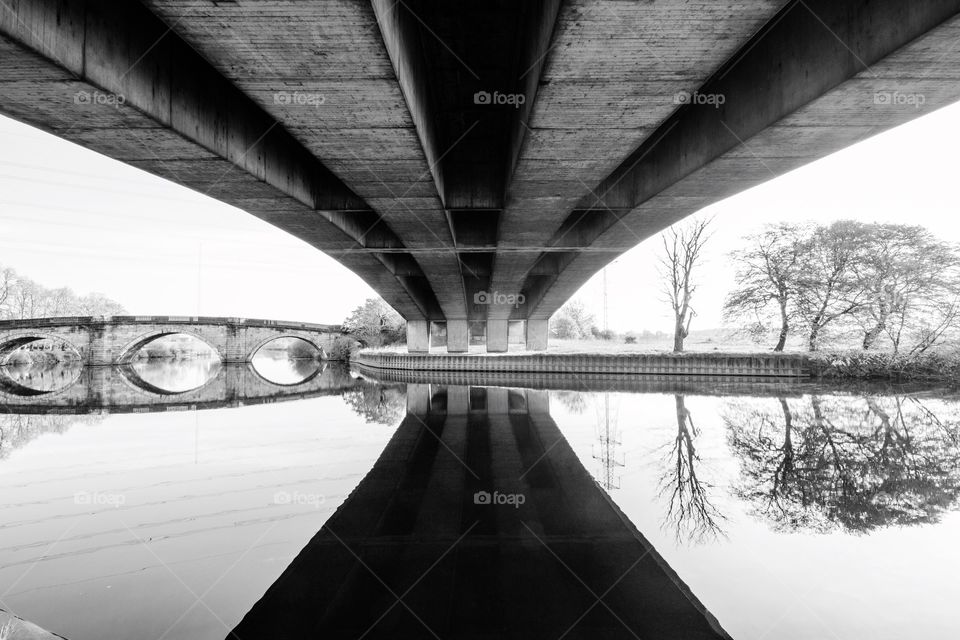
430, 545
475, 162
103, 341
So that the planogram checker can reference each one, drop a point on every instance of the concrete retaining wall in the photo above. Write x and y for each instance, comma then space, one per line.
685, 364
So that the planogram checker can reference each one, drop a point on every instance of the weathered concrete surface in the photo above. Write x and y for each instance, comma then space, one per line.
116, 340
120, 390
112, 77
830, 74
680, 364
418, 336
362, 127
16, 628
610, 78
418, 529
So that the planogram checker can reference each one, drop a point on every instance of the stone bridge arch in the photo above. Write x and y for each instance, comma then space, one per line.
11, 341
259, 339
212, 339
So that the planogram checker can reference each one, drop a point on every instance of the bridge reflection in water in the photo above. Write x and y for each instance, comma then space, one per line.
478, 520
123, 389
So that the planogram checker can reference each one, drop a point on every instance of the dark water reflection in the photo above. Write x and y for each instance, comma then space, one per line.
787, 511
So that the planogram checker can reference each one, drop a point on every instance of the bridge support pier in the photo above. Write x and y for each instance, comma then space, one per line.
498, 335
537, 334
418, 336
458, 336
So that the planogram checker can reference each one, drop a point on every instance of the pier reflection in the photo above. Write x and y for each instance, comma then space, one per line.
478, 520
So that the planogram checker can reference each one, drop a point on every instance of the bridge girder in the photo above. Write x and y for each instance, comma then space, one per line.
363, 128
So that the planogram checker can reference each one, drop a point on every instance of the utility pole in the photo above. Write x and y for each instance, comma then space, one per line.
606, 326
609, 441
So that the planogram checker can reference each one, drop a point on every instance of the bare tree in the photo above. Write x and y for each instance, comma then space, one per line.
690, 511
904, 272
768, 276
828, 288
683, 250
21, 298
8, 283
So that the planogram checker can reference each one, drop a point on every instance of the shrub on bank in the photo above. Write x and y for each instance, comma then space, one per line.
342, 349
863, 365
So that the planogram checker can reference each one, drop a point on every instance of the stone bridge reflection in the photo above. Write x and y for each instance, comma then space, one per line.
120, 389
478, 521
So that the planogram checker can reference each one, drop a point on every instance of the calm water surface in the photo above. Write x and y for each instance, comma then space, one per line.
789, 511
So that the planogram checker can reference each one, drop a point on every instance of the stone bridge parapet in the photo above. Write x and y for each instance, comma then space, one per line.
111, 340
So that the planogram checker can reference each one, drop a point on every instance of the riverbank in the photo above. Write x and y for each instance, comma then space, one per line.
684, 364
854, 365
861, 365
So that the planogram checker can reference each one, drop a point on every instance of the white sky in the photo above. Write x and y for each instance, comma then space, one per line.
71, 217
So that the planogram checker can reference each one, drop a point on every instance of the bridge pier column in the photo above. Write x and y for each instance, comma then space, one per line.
99, 353
234, 344
498, 335
458, 336
537, 330
418, 336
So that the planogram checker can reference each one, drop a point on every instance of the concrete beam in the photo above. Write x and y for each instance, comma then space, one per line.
809, 84
609, 79
109, 76
345, 101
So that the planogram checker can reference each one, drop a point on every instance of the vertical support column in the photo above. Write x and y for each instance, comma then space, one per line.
418, 336
458, 336
537, 334
99, 353
497, 335
233, 341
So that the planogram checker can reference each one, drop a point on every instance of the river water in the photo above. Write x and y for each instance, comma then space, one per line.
788, 510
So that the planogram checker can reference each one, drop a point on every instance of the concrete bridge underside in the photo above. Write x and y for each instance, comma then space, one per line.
442, 150
116, 340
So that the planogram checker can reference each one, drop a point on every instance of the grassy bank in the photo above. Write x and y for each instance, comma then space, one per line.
861, 365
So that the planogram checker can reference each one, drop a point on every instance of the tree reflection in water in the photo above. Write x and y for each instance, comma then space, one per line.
690, 510
842, 462
18, 430
377, 402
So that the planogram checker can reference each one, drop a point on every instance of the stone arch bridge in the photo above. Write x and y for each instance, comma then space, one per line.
104, 341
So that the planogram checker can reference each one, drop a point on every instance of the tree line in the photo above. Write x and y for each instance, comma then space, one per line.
881, 285
21, 297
